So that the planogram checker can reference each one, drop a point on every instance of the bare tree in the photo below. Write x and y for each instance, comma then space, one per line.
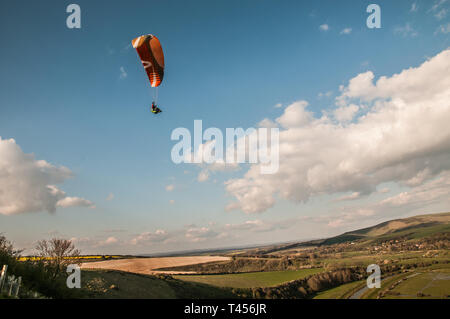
7, 248
58, 253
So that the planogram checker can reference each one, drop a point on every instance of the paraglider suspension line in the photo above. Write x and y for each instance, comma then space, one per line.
155, 95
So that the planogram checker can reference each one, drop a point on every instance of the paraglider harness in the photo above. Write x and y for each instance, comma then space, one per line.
155, 109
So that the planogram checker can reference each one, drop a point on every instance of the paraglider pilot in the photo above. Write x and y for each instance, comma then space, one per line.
155, 109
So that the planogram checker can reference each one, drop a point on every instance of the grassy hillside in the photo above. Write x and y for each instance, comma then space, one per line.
411, 228
113, 284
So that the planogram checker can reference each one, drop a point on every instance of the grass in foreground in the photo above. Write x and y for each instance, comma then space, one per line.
250, 280
112, 284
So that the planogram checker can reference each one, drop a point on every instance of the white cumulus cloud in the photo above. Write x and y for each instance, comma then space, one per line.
402, 136
346, 113
75, 202
29, 185
295, 115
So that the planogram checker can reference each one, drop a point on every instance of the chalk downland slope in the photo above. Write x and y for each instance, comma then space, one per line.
151, 265
411, 227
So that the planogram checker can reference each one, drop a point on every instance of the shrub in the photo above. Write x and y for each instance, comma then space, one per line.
37, 276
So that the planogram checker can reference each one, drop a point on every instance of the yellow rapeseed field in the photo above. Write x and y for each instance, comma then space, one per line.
35, 258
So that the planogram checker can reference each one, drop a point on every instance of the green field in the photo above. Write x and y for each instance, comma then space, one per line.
340, 292
434, 284
430, 282
250, 280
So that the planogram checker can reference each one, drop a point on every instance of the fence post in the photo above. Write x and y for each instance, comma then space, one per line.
19, 281
11, 281
3, 277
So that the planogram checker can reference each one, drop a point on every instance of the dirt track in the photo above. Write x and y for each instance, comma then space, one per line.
148, 265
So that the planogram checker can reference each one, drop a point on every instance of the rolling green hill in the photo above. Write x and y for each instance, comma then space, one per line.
411, 228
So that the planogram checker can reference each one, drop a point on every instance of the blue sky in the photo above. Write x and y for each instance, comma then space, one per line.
79, 98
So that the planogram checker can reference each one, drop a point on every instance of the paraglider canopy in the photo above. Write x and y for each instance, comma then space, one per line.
152, 57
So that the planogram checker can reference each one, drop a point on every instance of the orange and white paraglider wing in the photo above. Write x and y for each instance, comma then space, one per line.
152, 57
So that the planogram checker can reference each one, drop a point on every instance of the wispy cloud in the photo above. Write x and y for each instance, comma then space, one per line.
437, 4
259, 225
443, 29
199, 234
441, 14
149, 238
406, 31
352, 196
123, 73
203, 176
365, 64
326, 94
324, 27
346, 31
438, 10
